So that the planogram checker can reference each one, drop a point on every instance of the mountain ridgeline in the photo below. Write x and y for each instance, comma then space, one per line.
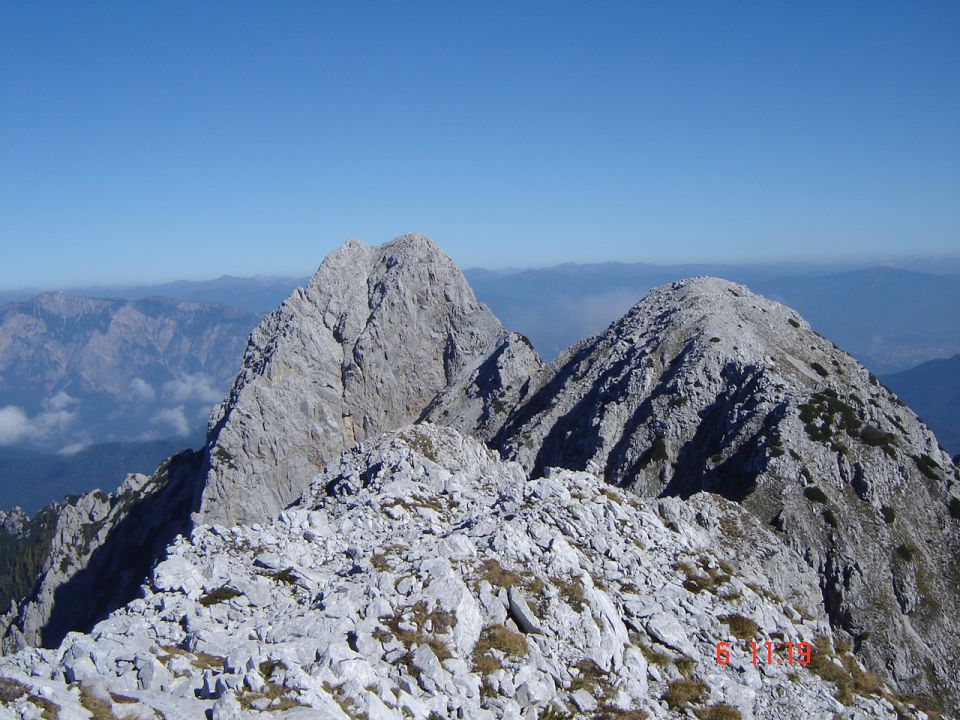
709, 407
76, 371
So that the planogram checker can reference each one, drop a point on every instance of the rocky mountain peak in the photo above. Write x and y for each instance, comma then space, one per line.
704, 385
377, 333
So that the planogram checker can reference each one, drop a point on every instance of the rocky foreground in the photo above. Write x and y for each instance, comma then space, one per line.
421, 576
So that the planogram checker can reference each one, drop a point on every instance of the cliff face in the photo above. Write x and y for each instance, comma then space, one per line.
376, 334
705, 386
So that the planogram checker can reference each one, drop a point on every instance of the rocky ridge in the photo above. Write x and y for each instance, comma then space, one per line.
704, 385
92, 551
422, 576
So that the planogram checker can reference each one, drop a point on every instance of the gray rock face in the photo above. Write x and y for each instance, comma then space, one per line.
99, 549
389, 591
705, 386
483, 395
376, 334
12, 522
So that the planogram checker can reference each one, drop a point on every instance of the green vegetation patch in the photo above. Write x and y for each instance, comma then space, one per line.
656, 453
826, 413
819, 369
875, 437
927, 465
954, 507
889, 514
904, 552
776, 445
21, 557
815, 494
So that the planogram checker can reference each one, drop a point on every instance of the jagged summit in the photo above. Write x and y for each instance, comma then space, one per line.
377, 333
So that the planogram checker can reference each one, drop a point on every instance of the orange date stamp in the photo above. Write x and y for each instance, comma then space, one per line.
770, 652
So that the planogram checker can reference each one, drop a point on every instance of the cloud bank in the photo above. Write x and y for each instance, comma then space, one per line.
17, 426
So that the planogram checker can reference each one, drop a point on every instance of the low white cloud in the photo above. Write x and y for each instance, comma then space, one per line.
73, 448
174, 418
192, 388
60, 402
58, 413
141, 391
14, 425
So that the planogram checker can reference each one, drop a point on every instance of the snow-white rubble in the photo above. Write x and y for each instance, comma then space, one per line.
421, 576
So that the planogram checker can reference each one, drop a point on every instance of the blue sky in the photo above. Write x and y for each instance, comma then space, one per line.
151, 141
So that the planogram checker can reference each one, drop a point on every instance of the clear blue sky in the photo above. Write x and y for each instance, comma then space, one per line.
160, 140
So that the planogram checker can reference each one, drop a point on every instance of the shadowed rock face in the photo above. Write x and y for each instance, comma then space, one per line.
376, 334
97, 551
706, 386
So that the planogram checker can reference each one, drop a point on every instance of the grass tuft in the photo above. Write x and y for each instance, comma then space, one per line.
741, 627
684, 692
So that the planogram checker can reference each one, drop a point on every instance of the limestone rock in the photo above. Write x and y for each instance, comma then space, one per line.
377, 333
484, 394
704, 385
398, 612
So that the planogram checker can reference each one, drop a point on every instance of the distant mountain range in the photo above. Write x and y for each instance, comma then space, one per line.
932, 389
76, 371
259, 294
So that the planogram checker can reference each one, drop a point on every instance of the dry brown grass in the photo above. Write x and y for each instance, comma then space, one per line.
684, 692
98, 709
719, 711
741, 627
497, 637
12, 690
